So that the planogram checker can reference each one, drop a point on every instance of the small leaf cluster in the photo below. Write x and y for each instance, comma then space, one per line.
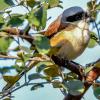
93, 10
36, 12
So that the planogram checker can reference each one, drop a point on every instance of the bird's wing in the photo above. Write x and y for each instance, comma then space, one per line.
62, 36
53, 27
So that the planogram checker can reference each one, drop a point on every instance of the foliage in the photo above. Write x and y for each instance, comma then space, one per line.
37, 55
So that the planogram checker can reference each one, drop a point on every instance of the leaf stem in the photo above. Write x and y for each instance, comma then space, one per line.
97, 30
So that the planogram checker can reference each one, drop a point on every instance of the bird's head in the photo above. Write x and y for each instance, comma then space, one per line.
74, 15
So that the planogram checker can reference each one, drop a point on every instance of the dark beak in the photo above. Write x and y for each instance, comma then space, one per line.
86, 15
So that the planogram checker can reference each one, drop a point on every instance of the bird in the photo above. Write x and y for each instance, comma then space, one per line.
69, 33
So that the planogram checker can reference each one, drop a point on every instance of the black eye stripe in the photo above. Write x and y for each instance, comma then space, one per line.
75, 17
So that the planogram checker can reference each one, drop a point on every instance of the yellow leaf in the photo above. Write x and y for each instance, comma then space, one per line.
92, 43
52, 71
57, 84
11, 80
97, 64
7, 98
53, 51
30, 3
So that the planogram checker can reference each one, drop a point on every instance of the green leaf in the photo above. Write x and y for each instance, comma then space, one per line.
46, 5
35, 76
15, 20
17, 84
42, 44
19, 62
7, 98
60, 6
40, 66
52, 71
27, 57
97, 64
21, 55
5, 4
93, 34
93, 14
19, 65
70, 76
98, 7
57, 84
92, 43
32, 3
53, 3
38, 17
36, 86
33, 20
43, 14
93, 39
11, 80
92, 8
89, 5
5, 69
1, 20
25, 54
75, 87
18, 68
4, 44
97, 92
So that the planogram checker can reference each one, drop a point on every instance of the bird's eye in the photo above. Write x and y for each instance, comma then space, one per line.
78, 17
70, 19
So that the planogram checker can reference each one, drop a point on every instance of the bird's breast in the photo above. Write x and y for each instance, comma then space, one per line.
71, 43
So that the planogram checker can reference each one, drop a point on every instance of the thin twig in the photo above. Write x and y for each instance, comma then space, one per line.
97, 30
23, 85
9, 57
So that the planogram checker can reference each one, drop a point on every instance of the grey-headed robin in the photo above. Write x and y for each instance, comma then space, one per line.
69, 33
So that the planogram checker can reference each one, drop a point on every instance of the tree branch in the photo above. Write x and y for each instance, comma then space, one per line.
12, 32
90, 78
76, 68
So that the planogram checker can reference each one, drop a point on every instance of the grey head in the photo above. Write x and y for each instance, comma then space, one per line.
73, 14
